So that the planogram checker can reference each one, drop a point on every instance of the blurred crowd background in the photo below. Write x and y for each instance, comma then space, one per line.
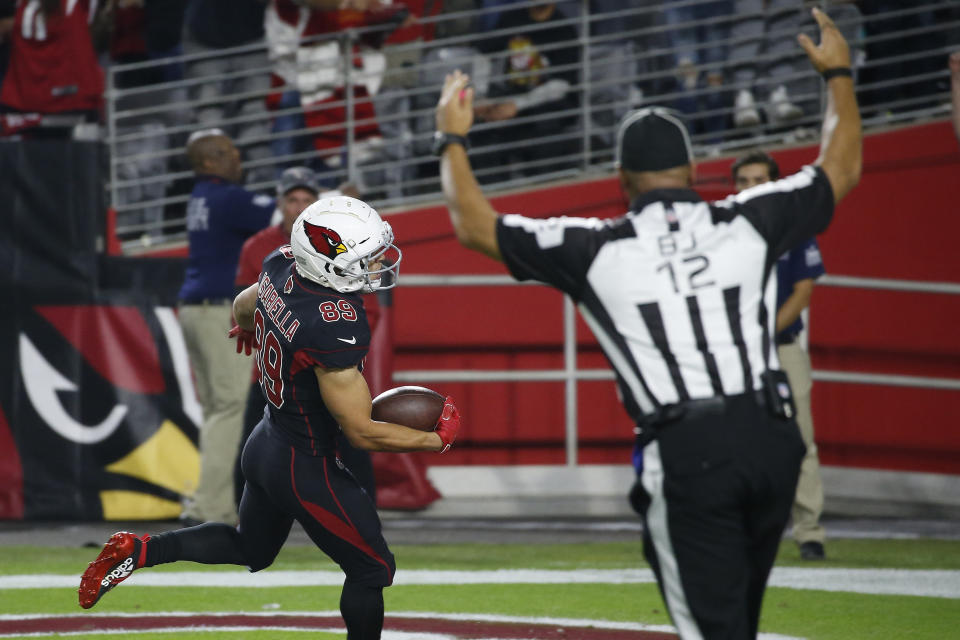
349, 92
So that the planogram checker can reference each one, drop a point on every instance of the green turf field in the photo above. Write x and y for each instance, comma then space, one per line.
796, 612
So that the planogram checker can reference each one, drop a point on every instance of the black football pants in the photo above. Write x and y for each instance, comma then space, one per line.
284, 485
357, 460
715, 495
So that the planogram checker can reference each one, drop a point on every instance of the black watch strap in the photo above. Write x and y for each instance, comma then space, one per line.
837, 72
441, 140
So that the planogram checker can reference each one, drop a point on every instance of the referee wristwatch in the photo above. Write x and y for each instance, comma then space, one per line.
442, 139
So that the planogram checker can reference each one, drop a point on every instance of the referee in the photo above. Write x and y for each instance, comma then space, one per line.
679, 295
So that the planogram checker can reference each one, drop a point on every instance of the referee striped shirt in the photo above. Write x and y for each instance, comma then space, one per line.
677, 291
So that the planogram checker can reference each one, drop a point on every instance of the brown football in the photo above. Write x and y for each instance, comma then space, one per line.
414, 407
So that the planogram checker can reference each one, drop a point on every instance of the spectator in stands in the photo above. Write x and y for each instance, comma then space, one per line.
951, 15
308, 72
892, 57
765, 58
462, 25
142, 31
401, 45
53, 67
955, 91
283, 24
128, 42
537, 65
212, 26
698, 35
762, 48
164, 34
297, 189
615, 64
645, 34
221, 215
487, 21
436, 63
142, 140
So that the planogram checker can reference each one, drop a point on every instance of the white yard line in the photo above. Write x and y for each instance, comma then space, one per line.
928, 582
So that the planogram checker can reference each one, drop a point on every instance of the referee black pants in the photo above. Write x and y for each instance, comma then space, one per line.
715, 493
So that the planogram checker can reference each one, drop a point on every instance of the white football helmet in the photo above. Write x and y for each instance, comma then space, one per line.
337, 239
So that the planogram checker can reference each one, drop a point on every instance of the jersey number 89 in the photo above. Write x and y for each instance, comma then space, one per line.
269, 361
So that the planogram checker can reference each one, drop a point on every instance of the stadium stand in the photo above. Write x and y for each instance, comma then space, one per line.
628, 53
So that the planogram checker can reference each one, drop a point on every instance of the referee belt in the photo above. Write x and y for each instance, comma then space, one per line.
789, 338
205, 302
695, 408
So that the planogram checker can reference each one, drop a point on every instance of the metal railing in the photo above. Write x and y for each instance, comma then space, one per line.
622, 54
570, 374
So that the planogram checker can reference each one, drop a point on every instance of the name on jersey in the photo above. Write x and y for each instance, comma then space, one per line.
274, 306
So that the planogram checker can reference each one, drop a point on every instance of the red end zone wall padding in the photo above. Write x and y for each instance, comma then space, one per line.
901, 222
11, 474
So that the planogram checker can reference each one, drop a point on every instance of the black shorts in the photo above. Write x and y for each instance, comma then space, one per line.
284, 484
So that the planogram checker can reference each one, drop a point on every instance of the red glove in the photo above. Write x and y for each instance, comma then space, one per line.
244, 339
448, 425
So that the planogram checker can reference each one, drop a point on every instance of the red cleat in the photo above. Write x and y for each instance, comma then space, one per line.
123, 553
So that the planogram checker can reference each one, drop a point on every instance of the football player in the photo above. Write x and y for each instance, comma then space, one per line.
306, 320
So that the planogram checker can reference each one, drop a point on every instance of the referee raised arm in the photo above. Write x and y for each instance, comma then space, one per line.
678, 293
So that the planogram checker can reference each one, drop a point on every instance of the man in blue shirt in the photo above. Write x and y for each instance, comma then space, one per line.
797, 270
221, 215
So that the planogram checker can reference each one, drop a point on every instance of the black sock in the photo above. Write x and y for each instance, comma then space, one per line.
362, 611
209, 543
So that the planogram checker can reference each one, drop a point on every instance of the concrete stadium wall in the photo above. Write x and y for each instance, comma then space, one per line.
601, 491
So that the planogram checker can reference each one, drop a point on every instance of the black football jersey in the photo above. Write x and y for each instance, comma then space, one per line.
299, 325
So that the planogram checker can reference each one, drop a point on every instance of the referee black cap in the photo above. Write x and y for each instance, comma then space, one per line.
652, 139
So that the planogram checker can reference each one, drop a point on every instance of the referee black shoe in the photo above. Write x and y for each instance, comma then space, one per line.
812, 551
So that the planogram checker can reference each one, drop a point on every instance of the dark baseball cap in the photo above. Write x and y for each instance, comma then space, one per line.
652, 139
298, 178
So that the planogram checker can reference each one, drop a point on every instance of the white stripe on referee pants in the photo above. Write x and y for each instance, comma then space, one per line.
652, 479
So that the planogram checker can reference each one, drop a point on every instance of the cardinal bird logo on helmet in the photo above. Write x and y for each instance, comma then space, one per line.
326, 241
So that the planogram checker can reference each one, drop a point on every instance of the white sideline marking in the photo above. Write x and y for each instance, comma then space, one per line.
464, 617
936, 583
908, 582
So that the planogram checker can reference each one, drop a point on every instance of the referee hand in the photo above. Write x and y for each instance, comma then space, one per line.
455, 109
832, 52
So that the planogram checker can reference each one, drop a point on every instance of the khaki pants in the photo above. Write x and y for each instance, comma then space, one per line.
808, 503
223, 379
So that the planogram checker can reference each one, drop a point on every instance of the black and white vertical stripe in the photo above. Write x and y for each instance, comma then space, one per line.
687, 324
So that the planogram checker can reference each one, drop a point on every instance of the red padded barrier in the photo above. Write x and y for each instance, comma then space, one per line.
901, 222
